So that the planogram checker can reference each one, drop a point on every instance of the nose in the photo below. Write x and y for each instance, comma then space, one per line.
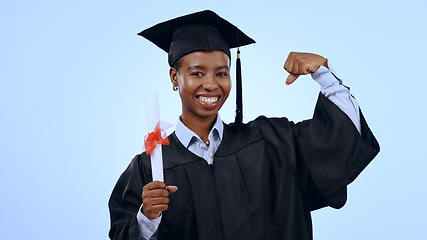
210, 83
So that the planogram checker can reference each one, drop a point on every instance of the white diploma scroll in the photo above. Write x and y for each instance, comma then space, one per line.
153, 117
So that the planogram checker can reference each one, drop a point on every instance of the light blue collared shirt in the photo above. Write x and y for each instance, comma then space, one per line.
195, 145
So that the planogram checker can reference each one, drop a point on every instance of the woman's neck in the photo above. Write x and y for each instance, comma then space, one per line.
201, 127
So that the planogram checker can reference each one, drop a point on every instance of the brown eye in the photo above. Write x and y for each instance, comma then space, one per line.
222, 74
197, 74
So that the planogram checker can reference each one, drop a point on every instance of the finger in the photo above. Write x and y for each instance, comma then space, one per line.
155, 185
286, 66
156, 201
304, 68
291, 78
300, 67
172, 189
153, 193
290, 69
156, 208
289, 62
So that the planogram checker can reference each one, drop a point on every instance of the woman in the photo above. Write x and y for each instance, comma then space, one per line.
253, 181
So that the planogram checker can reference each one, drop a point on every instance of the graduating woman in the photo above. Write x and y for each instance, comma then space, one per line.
258, 180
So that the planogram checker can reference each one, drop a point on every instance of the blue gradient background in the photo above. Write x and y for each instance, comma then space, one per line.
72, 113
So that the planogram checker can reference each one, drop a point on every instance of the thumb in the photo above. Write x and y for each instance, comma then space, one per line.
291, 78
172, 189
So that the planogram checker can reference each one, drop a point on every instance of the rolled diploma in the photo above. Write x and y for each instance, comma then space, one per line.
153, 117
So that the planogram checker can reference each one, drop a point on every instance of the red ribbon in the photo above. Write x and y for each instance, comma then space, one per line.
158, 136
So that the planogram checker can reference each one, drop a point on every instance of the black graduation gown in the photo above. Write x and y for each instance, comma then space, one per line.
264, 181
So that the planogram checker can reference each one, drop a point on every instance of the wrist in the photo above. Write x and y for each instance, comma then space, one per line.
148, 215
325, 63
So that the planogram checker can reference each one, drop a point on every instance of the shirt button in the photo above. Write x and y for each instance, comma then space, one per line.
149, 228
210, 155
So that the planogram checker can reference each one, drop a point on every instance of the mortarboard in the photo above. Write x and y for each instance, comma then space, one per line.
200, 31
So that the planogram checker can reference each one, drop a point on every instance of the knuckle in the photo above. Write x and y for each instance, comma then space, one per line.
160, 193
160, 184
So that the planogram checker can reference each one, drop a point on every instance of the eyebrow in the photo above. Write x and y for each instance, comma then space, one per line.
203, 68
223, 67
196, 67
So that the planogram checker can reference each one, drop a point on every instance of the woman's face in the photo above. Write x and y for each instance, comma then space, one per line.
203, 81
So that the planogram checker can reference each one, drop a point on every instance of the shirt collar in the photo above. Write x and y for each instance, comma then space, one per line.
185, 135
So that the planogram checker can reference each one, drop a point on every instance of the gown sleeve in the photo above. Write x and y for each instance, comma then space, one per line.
331, 153
326, 152
125, 201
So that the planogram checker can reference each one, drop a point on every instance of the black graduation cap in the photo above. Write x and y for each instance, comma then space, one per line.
200, 31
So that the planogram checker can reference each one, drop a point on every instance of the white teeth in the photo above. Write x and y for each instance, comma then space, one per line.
208, 100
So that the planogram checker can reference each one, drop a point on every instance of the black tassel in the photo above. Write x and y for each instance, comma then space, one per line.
239, 105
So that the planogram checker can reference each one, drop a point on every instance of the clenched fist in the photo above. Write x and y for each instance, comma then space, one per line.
302, 63
155, 198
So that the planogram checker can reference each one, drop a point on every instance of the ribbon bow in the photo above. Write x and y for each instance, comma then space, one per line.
158, 136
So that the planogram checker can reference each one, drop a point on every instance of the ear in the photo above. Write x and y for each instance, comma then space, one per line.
173, 74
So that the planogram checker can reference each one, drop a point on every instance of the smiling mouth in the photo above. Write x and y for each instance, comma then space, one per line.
208, 100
